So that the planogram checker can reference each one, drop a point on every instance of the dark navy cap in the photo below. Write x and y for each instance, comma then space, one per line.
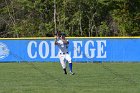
63, 34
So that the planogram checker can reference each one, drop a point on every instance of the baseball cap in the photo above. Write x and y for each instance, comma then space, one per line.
63, 34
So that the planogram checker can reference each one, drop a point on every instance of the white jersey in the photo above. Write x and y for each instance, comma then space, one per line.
62, 47
63, 53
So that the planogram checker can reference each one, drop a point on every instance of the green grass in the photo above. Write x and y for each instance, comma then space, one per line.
89, 78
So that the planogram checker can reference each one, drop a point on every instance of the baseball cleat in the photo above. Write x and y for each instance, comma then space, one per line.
71, 73
65, 73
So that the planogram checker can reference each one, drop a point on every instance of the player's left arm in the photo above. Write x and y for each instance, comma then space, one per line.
65, 41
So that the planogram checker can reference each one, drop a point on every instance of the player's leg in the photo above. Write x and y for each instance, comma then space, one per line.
63, 63
68, 58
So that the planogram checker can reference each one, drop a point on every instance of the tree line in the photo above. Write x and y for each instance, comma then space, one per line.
40, 18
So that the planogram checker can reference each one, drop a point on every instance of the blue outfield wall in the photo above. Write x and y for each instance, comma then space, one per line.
80, 49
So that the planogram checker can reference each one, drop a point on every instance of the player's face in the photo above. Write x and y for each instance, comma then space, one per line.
62, 37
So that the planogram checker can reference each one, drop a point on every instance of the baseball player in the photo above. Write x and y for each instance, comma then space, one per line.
62, 44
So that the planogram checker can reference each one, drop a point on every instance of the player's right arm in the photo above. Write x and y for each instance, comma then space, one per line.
55, 41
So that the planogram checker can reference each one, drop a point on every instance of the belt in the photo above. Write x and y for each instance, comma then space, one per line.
64, 53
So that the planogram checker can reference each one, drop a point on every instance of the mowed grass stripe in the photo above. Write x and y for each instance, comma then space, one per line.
89, 78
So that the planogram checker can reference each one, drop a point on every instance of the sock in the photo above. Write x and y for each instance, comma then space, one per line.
65, 71
70, 67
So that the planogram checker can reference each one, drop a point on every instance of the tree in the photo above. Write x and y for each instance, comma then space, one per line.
33, 18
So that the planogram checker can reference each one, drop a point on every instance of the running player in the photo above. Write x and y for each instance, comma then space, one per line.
62, 44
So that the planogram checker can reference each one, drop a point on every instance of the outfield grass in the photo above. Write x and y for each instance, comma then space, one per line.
89, 78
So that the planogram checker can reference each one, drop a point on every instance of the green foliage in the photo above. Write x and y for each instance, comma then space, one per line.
30, 18
104, 29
